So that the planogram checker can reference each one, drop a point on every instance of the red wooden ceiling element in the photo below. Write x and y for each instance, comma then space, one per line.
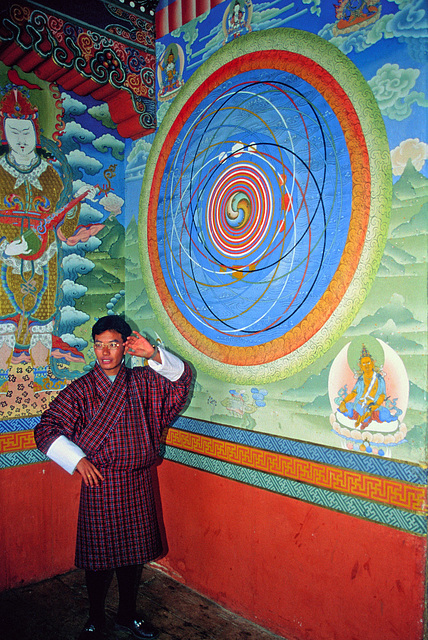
85, 62
172, 14
120, 104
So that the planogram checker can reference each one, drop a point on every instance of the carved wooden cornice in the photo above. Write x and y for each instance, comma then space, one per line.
104, 50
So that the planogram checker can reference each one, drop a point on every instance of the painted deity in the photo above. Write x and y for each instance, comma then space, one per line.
30, 215
170, 71
365, 403
236, 19
355, 14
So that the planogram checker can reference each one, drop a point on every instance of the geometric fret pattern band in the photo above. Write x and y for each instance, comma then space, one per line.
17, 441
366, 464
384, 490
383, 514
336, 457
18, 424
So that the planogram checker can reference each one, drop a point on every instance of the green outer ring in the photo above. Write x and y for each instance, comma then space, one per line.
361, 96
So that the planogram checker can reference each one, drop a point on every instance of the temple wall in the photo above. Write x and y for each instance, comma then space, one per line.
272, 232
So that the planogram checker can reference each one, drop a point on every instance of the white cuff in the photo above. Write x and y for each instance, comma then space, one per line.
171, 367
65, 453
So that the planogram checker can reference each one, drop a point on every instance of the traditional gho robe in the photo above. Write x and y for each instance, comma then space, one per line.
118, 426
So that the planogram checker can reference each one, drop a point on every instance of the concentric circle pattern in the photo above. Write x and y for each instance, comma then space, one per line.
239, 211
257, 206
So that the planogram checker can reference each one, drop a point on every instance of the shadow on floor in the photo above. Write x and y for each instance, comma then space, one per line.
56, 609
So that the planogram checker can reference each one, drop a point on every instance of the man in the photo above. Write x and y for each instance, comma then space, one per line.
107, 426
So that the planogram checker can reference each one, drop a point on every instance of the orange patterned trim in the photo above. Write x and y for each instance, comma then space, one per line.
17, 441
376, 488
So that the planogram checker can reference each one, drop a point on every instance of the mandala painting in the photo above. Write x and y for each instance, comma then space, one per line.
265, 206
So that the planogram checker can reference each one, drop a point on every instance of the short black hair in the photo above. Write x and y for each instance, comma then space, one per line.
111, 323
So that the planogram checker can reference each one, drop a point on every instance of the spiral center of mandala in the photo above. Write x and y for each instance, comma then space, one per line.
239, 211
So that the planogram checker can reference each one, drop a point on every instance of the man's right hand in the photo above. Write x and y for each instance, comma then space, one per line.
90, 474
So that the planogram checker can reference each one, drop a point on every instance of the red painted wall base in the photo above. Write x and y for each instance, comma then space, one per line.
302, 571
38, 506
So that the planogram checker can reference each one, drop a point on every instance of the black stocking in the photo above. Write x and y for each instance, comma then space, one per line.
128, 580
97, 584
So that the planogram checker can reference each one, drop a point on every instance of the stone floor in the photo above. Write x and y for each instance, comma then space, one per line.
56, 609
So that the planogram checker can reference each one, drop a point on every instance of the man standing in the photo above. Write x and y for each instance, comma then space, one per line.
107, 426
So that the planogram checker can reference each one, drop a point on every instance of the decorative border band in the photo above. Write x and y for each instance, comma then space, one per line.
17, 441
367, 464
373, 465
376, 489
19, 458
383, 490
18, 424
382, 514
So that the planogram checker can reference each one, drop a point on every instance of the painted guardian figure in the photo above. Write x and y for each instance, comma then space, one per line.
30, 192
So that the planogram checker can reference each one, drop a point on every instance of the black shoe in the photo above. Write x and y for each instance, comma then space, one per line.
139, 629
92, 632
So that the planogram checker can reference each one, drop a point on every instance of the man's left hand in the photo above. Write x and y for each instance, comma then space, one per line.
89, 472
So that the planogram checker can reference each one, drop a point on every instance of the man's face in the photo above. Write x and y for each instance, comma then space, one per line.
109, 350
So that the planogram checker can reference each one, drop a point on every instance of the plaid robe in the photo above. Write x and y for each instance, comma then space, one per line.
118, 426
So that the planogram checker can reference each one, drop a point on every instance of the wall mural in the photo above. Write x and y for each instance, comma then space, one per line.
325, 284
263, 232
257, 180
59, 205
38, 212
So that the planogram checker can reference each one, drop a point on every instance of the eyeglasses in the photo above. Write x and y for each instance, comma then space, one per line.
107, 345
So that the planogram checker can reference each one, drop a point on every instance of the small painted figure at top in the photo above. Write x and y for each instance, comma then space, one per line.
170, 72
237, 19
353, 15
